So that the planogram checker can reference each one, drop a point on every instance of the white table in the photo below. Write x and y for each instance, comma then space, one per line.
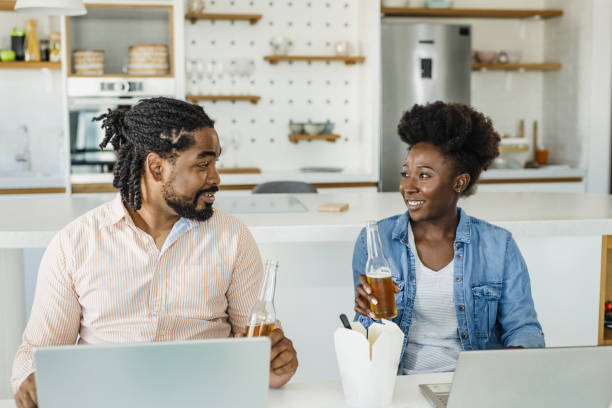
558, 234
329, 394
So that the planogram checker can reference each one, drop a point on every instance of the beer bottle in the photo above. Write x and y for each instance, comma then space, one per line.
378, 274
263, 316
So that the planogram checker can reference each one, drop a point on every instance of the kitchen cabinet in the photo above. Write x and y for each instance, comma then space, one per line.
605, 334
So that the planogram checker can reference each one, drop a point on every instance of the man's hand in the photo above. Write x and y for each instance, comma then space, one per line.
26, 394
283, 359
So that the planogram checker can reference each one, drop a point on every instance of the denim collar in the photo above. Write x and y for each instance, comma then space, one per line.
400, 231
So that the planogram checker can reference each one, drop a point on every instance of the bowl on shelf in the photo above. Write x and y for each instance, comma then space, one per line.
438, 3
314, 128
329, 127
514, 57
296, 128
486, 57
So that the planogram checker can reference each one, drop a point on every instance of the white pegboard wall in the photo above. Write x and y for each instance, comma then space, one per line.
299, 91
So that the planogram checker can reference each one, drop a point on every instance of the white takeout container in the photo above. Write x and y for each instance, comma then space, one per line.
368, 365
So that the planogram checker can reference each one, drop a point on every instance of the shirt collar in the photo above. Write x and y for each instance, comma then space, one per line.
463, 233
117, 212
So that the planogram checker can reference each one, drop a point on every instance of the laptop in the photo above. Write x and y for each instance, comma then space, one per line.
552, 377
229, 373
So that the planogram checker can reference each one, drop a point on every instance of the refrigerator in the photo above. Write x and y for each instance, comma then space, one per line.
420, 63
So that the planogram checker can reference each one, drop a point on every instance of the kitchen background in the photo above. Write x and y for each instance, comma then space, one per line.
571, 104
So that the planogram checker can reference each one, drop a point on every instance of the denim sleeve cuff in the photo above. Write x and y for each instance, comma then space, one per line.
532, 338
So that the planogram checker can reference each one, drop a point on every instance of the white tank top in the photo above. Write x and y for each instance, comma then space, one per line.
433, 338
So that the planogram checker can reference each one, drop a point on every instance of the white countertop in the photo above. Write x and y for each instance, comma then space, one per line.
256, 178
351, 176
546, 172
31, 180
31, 222
329, 394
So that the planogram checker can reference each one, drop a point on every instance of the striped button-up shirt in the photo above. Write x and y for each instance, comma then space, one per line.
103, 280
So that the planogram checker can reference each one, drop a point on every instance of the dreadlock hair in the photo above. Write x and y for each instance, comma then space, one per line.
156, 125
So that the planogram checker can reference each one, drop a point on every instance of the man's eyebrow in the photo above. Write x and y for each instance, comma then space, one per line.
206, 153
426, 167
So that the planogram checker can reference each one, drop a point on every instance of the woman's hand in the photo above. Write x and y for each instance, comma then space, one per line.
364, 297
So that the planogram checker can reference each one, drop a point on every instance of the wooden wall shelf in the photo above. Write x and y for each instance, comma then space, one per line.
470, 13
295, 137
120, 76
30, 65
549, 66
7, 5
194, 17
274, 59
513, 149
197, 98
239, 170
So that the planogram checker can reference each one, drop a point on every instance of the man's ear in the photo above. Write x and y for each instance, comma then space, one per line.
154, 166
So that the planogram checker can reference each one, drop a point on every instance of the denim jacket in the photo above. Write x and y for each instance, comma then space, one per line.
491, 283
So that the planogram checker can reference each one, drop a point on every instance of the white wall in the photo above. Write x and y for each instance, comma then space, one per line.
299, 91
578, 110
32, 98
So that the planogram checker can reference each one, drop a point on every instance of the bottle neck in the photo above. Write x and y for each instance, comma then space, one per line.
373, 240
268, 286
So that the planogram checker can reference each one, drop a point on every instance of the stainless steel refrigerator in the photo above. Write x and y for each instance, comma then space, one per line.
420, 63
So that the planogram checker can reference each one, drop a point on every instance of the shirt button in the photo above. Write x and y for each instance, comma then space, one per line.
458, 245
162, 332
461, 307
459, 256
464, 335
458, 279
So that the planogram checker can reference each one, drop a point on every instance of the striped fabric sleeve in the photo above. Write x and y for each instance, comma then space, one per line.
246, 280
56, 312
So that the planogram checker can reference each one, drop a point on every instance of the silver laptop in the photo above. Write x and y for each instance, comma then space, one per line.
229, 373
553, 377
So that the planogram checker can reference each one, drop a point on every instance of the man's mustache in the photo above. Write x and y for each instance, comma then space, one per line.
211, 189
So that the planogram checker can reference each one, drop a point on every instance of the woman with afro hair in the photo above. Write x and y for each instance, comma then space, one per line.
460, 282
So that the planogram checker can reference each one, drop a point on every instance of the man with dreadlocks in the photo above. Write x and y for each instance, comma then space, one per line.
157, 263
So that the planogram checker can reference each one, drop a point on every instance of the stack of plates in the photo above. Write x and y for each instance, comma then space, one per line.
148, 59
88, 62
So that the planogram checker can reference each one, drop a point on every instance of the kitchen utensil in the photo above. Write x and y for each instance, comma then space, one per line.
148, 59
396, 3
280, 45
33, 49
343, 48
296, 127
502, 57
88, 62
438, 3
514, 57
18, 43
541, 156
44, 50
534, 164
55, 46
486, 57
521, 132
329, 127
195, 6
314, 128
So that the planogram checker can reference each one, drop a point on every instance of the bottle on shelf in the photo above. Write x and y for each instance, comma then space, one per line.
262, 320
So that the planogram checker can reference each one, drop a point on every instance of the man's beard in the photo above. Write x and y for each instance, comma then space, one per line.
185, 206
